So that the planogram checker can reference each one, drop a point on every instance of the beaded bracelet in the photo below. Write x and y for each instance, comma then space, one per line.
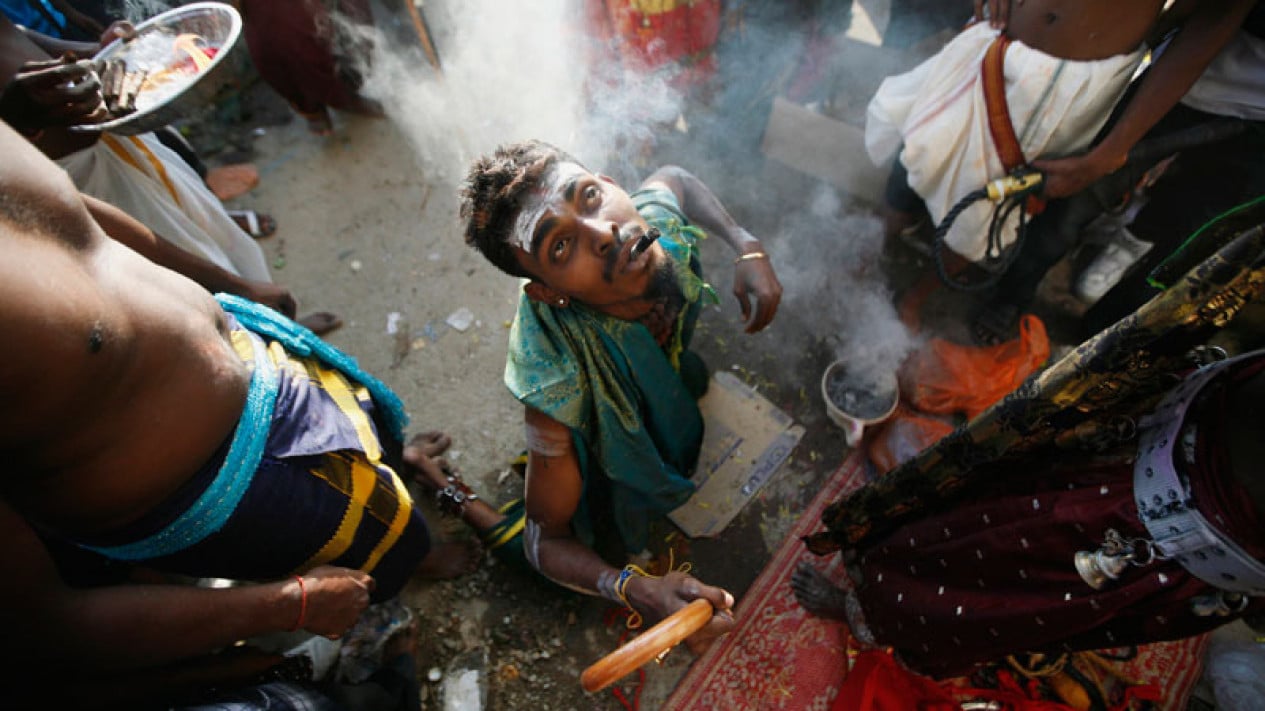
452, 499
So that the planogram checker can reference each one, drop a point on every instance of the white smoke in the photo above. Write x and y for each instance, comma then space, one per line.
512, 72
828, 263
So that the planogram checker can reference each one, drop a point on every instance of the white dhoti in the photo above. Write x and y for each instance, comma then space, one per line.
150, 182
939, 112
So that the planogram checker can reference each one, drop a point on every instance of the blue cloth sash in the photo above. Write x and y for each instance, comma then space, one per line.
214, 507
300, 341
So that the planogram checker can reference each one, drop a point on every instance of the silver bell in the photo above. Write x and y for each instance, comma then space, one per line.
1098, 567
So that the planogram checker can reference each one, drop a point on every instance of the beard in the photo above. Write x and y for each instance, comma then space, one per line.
664, 287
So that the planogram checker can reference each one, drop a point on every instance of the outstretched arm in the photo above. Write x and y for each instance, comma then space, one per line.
554, 487
753, 275
127, 627
1211, 25
123, 228
57, 47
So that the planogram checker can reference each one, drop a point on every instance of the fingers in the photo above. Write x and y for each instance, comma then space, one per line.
766, 309
1000, 12
62, 92
68, 76
743, 302
758, 279
693, 589
119, 30
979, 9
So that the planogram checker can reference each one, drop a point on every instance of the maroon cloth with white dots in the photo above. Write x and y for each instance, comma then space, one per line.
995, 575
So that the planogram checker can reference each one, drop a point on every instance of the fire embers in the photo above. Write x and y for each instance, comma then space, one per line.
120, 87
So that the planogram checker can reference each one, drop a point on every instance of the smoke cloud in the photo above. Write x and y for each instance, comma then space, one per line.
511, 73
828, 262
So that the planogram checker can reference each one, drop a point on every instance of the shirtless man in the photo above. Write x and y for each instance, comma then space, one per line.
123, 387
41, 97
1087, 30
1030, 88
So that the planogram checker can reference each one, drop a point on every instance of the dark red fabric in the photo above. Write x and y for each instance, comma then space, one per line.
995, 575
292, 45
1235, 514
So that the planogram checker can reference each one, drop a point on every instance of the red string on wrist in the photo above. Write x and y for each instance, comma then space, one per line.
298, 624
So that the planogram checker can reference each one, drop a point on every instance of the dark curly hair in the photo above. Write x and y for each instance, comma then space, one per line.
491, 197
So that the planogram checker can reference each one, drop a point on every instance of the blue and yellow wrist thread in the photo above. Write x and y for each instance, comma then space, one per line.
621, 586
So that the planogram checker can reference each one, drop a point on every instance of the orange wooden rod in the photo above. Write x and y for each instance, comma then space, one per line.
650, 644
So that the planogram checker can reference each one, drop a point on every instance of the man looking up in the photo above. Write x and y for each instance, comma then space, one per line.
599, 356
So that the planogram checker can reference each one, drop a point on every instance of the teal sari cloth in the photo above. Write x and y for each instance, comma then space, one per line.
634, 419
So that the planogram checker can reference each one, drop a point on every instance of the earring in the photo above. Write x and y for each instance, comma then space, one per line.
562, 301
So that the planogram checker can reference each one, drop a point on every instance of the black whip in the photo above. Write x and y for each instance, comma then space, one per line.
1008, 194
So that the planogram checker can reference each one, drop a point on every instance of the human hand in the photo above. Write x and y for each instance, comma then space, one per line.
274, 296
755, 277
57, 92
660, 597
1068, 176
118, 30
335, 598
998, 12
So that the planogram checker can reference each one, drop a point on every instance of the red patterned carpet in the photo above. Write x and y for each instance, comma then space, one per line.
779, 657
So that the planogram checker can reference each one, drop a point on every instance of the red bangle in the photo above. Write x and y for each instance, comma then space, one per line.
298, 624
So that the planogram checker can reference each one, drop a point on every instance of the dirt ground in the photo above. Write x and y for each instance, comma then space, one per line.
366, 231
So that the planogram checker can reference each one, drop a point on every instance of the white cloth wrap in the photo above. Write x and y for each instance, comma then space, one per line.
1232, 84
193, 219
938, 111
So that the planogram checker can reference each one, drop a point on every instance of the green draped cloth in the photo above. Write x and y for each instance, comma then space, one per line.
631, 404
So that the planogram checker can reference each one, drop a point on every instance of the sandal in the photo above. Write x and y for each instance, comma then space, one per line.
255, 224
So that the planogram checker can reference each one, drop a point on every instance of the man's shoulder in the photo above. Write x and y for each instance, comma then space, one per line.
656, 201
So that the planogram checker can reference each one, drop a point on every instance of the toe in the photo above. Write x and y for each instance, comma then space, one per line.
321, 322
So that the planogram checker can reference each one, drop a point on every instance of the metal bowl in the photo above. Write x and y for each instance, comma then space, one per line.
219, 24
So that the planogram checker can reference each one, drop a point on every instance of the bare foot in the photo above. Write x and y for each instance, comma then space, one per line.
817, 594
823, 598
404, 641
452, 559
320, 322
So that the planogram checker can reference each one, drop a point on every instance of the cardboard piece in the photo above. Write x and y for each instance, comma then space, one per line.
745, 441
824, 148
